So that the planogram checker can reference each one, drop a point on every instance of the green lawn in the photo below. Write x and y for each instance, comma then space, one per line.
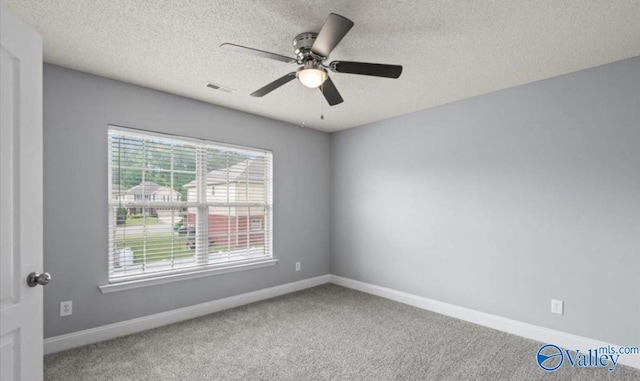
141, 221
159, 246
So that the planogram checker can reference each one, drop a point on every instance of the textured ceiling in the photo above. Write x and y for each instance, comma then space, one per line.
450, 50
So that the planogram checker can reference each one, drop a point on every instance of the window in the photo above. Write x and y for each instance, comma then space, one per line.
191, 227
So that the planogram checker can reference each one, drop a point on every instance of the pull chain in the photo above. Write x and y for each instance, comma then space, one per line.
321, 113
304, 104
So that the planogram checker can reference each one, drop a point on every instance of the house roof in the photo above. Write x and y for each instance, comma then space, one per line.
116, 189
251, 169
147, 187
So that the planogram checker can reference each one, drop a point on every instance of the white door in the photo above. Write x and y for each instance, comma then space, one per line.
20, 200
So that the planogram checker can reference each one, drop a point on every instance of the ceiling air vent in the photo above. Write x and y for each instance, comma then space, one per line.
216, 86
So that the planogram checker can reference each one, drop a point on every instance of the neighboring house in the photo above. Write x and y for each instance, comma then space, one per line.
152, 192
237, 225
118, 193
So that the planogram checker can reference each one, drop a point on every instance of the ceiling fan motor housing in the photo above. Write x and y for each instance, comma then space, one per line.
303, 43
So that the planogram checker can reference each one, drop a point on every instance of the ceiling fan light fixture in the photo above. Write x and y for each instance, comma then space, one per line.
312, 78
312, 75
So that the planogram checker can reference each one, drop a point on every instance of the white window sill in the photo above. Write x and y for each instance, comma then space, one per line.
162, 279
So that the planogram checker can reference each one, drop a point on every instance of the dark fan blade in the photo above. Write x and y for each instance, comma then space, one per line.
330, 92
257, 52
332, 32
364, 68
274, 85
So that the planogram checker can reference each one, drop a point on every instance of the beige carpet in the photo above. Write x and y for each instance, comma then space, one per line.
324, 333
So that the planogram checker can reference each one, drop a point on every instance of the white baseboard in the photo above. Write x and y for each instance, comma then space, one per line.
111, 331
529, 331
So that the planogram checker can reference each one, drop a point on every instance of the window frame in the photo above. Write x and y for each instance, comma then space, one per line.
199, 269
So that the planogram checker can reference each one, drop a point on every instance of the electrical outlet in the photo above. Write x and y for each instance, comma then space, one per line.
66, 308
557, 306
297, 266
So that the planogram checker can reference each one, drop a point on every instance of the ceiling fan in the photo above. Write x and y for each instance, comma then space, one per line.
311, 50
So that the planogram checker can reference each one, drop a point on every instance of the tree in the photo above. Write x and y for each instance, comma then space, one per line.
162, 161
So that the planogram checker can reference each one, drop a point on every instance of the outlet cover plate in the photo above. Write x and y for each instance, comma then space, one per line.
557, 306
66, 308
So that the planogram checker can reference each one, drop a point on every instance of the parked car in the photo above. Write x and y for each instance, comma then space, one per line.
191, 238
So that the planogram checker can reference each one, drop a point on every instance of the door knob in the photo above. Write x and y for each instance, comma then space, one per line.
35, 279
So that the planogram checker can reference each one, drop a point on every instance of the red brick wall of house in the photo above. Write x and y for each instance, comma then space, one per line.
234, 231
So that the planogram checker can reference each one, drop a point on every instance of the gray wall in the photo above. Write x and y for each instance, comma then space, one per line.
497, 203
501, 202
77, 109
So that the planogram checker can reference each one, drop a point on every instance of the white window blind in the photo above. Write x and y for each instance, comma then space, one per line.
180, 204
